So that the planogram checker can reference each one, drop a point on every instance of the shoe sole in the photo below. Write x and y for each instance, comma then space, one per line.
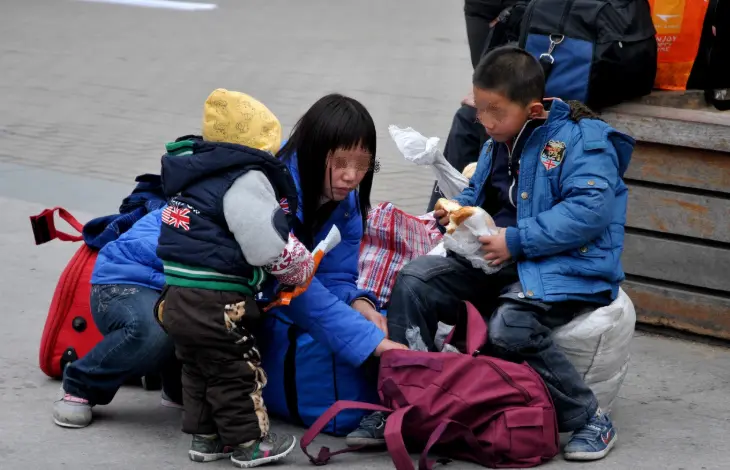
265, 460
196, 456
364, 442
70, 425
588, 456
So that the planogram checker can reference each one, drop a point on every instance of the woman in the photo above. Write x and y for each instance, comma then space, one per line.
331, 152
312, 349
126, 283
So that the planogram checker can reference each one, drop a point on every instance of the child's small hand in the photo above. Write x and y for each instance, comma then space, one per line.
495, 247
294, 266
387, 345
442, 216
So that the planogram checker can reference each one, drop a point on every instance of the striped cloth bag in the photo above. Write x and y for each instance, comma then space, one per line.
391, 240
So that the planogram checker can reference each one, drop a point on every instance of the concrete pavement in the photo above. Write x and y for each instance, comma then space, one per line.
98, 88
90, 92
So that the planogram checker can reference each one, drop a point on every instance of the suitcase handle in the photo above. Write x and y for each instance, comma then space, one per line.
44, 227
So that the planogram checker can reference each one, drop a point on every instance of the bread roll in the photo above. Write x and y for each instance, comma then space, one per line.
457, 214
447, 205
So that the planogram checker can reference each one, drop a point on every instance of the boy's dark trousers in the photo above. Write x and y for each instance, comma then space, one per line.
432, 288
221, 367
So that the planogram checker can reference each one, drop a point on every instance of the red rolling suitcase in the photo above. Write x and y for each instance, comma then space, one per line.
69, 332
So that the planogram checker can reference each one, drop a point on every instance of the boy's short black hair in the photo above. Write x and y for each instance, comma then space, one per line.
513, 72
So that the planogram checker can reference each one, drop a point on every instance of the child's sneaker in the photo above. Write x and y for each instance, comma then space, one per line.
370, 433
72, 412
593, 441
207, 448
269, 448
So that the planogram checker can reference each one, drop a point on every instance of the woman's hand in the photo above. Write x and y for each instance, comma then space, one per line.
366, 310
387, 345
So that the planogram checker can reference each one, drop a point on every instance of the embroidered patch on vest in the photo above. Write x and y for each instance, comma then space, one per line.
284, 203
176, 217
552, 155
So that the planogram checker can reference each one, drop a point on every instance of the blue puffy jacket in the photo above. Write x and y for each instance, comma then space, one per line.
313, 348
571, 208
323, 310
132, 258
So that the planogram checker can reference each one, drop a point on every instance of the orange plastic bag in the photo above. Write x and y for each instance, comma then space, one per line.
678, 25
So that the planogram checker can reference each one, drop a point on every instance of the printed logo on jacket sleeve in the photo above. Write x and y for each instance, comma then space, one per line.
176, 217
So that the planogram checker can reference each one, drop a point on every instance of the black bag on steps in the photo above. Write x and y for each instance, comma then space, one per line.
711, 70
600, 52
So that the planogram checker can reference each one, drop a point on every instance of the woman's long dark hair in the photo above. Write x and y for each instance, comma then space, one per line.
333, 122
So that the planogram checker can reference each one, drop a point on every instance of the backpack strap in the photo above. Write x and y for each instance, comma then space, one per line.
394, 439
324, 453
458, 430
44, 227
476, 332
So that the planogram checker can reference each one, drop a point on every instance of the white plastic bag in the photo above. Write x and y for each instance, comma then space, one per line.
597, 344
424, 151
465, 240
438, 250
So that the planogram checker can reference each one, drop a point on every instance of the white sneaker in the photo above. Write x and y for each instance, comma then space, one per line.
72, 412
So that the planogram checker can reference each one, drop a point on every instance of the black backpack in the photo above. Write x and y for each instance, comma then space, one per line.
600, 52
711, 70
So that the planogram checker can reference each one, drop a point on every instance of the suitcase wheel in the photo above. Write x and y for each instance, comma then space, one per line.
79, 324
68, 356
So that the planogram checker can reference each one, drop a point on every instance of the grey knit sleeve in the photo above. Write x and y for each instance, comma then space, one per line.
255, 218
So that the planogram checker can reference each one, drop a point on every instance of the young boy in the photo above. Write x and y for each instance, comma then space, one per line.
227, 225
551, 177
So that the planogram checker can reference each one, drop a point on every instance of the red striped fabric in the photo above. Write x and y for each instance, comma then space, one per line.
391, 240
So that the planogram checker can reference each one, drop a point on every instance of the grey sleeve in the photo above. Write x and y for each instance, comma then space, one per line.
255, 218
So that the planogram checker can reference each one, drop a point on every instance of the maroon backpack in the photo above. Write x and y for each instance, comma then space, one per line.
493, 412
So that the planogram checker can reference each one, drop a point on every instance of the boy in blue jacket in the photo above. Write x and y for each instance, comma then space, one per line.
551, 177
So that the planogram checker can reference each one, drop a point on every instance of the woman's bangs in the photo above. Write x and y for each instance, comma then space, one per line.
353, 130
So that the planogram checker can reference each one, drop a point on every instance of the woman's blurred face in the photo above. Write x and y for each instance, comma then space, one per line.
345, 171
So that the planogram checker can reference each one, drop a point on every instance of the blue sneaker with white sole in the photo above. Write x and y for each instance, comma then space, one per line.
593, 441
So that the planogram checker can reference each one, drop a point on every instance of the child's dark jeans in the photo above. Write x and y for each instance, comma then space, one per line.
432, 289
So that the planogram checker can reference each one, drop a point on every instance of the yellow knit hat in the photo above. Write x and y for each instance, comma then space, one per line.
236, 118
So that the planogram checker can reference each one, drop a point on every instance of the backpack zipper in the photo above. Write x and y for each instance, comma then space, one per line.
508, 379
